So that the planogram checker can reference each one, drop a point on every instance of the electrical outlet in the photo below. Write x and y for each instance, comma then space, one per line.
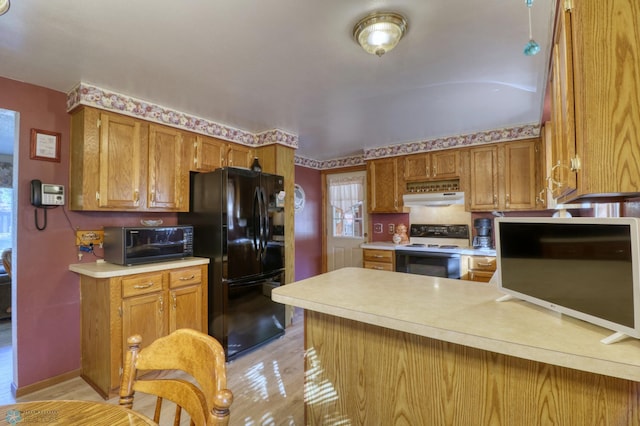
85, 238
377, 228
392, 228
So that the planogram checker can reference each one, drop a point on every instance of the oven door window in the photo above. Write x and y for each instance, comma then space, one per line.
431, 264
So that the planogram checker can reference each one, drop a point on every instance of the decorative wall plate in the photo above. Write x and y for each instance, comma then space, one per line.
299, 197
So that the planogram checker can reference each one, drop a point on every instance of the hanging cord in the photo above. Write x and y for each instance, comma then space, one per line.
35, 217
530, 31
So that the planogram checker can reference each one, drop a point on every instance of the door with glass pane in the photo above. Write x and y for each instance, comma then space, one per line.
346, 219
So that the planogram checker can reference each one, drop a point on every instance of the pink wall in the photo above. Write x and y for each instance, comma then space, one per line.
308, 224
385, 219
46, 314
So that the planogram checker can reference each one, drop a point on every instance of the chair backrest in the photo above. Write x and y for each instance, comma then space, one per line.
195, 353
6, 260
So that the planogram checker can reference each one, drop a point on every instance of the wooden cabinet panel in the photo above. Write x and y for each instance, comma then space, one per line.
520, 175
238, 156
445, 164
184, 311
207, 154
139, 284
417, 167
504, 176
433, 165
483, 179
119, 163
379, 259
120, 167
481, 268
562, 110
144, 315
596, 100
383, 186
168, 185
150, 304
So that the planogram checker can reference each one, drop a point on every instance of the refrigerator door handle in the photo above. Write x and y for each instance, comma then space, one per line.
264, 224
257, 230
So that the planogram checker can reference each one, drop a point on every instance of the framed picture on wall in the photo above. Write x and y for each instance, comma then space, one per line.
45, 145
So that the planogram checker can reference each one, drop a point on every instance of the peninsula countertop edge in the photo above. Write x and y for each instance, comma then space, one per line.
466, 313
110, 270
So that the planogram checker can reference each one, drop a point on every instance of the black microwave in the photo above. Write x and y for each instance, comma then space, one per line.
136, 245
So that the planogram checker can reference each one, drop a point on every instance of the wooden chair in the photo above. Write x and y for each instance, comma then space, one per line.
196, 353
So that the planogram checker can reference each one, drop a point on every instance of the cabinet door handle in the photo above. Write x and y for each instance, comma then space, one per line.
175, 300
187, 278
484, 264
161, 300
508, 200
141, 286
378, 255
378, 267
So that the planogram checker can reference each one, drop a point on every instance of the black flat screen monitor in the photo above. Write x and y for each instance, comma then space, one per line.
583, 267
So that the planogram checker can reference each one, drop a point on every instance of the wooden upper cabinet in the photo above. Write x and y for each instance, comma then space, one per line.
562, 178
521, 176
383, 185
121, 166
207, 154
505, 176
119, 163
433, 165
445, 164
595, 72
107, 162
238, 155
483, 178
168, 184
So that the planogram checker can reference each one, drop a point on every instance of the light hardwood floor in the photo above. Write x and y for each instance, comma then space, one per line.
267, 384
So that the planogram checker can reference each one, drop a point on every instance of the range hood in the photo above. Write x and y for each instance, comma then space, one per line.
422, 199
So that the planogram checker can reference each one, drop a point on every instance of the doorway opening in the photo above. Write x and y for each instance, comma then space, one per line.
8, 171
346, 218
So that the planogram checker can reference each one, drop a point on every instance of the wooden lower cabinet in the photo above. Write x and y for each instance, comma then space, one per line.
372, 375
481, 268
151, 304
384, 260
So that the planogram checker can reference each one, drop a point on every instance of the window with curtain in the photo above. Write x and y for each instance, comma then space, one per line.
346, 197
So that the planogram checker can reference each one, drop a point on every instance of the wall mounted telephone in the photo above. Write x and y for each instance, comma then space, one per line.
46, 194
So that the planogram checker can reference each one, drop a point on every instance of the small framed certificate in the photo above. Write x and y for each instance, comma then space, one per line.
45, 145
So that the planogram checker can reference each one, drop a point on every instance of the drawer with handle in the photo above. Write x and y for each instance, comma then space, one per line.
141, 284
379, 259
185, 276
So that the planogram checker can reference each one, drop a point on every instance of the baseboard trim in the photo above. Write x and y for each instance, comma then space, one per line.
25, 390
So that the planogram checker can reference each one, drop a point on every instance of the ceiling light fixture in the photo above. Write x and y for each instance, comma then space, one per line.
4, 6
532, 47
380, 32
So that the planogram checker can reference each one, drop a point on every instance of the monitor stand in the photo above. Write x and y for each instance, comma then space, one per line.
615, 337
504, 298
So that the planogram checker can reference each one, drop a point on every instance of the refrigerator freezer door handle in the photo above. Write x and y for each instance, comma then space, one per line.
257, 232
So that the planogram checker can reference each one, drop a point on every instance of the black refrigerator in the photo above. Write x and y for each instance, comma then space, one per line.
238, 220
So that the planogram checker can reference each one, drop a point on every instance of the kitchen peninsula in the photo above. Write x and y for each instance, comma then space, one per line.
393, 348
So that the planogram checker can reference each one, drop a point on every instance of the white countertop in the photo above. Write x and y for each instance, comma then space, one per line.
466, 251
466, 313
108, 270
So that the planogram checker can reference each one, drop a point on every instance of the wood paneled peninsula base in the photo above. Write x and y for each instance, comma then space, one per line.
392, 348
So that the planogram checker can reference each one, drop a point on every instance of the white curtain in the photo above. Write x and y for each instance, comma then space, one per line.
346, 192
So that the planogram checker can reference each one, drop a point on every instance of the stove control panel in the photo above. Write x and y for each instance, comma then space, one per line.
439, 231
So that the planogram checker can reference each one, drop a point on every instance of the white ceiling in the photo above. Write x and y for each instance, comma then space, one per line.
293, 64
